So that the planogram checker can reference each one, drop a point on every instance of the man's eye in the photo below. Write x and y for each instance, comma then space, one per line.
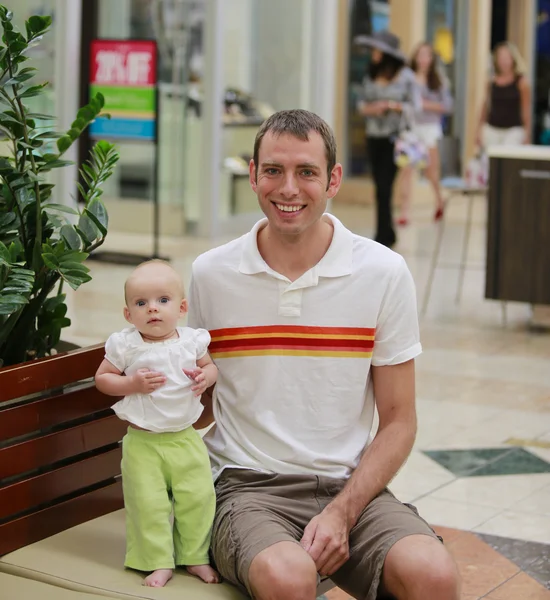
272, 171
164, 300
307, 172
140, 303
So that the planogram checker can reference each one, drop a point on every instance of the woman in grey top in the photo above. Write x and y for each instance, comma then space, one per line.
436, 102
388, 90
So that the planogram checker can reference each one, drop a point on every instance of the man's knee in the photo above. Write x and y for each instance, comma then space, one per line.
283, 570
420, 567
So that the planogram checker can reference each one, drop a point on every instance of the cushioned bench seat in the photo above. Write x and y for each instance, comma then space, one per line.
18, 588
89, 558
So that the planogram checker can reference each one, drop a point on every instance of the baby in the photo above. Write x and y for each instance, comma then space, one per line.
162, 370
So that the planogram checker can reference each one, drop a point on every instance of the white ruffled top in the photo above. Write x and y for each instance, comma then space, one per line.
172, 407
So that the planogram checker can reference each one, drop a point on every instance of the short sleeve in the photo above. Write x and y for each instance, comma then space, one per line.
202, 341
397, 337
194, 317
115, 351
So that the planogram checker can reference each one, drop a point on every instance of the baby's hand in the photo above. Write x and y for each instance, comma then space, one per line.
199, 377
146, 381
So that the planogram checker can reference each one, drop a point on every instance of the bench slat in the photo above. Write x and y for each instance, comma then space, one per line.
52, 520
47, 412
38, 452
41, 489
49, 373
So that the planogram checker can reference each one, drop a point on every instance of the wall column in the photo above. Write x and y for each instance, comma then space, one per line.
521, 30
408, 22
478, 69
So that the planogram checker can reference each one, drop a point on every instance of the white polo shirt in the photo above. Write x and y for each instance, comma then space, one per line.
294, 392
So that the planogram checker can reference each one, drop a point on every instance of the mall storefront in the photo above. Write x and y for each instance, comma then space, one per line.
225, 65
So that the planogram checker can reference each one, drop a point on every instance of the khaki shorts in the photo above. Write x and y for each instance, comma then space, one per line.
256, 510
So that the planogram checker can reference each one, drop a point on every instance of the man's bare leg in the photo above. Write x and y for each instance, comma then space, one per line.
284, 570
419, 567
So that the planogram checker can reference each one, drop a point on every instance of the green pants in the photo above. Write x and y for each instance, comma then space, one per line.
161, 472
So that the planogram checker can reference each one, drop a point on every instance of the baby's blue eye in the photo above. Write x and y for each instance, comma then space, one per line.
163, 300
140, 303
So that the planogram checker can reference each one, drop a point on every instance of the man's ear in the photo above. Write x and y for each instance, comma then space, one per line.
253, 175
335, 181
184, 307
126, 313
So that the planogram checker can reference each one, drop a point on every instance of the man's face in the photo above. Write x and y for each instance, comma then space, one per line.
291, 181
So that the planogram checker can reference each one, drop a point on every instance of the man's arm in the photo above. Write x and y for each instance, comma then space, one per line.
207, 416
326, 537
394, 391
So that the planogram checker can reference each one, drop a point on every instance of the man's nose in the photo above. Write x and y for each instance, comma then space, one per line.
289, 188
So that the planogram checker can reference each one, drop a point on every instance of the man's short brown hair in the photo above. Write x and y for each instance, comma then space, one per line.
298, 123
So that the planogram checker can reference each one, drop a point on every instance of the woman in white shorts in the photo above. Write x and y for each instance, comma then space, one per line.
436, 102
505, 117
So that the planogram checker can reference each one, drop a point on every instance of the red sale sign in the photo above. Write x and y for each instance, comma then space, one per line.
124, 62
125, 72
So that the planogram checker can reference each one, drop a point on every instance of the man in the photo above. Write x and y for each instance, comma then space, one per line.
312, 326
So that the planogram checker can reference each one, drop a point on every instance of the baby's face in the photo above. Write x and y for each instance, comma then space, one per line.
154, 302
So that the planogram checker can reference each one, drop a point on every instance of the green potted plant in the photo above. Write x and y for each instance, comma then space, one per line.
43, 244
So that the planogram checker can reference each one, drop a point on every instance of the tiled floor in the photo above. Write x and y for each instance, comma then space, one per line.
490, 569
481, 462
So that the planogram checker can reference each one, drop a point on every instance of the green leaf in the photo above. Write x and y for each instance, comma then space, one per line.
97, 210
74, 133
85, 114
55, 164
64, 143
41, 116
75, 280
70, 266
74, 256
71, 237
21, 77
60, 208
34, 90
87, 227
51, 261
37, 25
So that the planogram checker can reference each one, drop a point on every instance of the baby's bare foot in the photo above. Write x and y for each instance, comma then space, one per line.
158, 578
205, 572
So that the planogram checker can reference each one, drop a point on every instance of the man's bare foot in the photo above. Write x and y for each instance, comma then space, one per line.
205, 572
158, 578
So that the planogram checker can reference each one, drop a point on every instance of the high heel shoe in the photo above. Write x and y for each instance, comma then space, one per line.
438, 214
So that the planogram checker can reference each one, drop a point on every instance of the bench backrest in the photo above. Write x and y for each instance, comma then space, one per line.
59, 447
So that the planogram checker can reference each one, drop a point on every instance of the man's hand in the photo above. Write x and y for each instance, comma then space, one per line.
326, 540
145, 381
199, 377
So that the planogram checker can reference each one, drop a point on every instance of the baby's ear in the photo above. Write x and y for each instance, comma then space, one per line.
126, 313
184, 307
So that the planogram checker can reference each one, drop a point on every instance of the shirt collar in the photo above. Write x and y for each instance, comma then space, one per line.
336, 262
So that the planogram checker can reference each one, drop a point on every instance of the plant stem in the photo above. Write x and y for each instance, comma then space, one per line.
16, 204
17, 99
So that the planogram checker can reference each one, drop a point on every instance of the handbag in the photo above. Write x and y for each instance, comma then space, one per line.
409, 149
477, 171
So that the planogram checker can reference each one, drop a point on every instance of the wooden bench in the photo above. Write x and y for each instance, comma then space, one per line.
61, 504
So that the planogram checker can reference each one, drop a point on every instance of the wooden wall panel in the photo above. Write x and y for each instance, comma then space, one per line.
41, 489
46, 412
31, 454
47, 522
49, 373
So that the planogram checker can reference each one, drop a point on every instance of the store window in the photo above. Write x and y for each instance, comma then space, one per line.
441, 34
365, 17
541, 95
